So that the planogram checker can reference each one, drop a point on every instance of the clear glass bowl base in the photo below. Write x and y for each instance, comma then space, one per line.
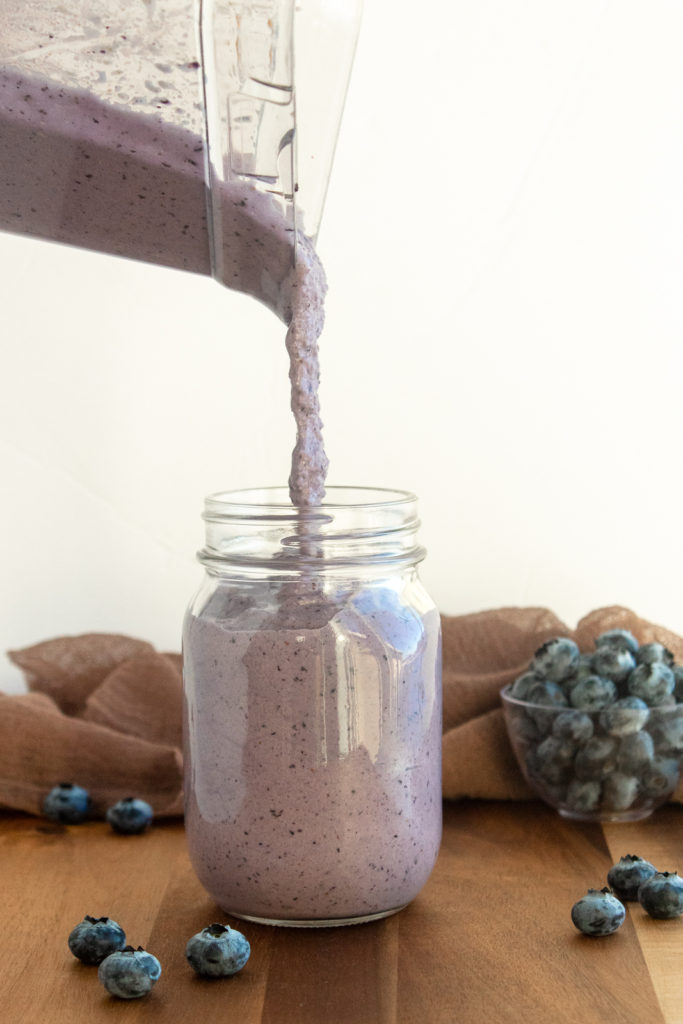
608, 816
330, 922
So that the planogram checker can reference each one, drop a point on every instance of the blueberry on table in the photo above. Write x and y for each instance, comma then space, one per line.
599, 912
661, 895
67, 803
129, 973
95, 938
217, 951
621, 639
130, 816
556, 659
628, 874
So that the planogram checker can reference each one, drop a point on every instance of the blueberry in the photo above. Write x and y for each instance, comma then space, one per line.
627, 715
649, 654
651, 682
636, 751
619, 791
583, 669
67, 803
666, 729
522, 684
596, 759
613, 662
129, 973
522, 726
599, 912
661, 895
593, 693
556, 659
660, 777
573, 725
95, 938
553, 759
678, 677
130, 816
217, 951
549, 695
583, 797
622, 639
626, 876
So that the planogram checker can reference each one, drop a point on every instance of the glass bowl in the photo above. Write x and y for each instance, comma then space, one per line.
614, 764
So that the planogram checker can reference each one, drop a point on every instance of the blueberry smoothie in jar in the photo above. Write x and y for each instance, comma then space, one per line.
313, 708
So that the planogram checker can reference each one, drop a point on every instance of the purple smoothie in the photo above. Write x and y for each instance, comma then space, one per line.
313, 767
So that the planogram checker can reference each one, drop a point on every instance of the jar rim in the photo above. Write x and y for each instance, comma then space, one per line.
355, 526
277, 498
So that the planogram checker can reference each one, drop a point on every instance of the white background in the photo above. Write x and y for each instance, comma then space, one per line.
503, 239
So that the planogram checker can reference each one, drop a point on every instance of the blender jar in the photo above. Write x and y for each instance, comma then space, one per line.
138, 128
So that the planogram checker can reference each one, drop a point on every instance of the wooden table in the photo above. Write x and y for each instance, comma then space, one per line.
488, 940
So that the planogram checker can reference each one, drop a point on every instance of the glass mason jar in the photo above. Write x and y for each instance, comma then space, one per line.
312, 725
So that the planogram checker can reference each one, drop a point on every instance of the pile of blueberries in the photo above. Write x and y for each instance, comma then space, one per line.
70, 804
217, 951
603, 731
602, 911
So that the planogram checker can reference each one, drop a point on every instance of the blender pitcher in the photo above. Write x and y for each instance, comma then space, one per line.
150, 128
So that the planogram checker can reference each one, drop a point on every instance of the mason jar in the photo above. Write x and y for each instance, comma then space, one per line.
312, 713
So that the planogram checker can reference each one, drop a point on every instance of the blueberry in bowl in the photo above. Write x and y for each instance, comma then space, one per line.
599, 735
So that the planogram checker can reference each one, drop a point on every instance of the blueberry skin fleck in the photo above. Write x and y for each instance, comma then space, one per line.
622, 639
67, 803
661, 895
599, 912
556, 659
628, 874
95, 938
129, 973
217, 951
130, 816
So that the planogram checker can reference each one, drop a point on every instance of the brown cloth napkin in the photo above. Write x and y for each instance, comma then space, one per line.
104, 711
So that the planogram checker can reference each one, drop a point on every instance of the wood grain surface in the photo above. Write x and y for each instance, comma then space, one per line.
489, 938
